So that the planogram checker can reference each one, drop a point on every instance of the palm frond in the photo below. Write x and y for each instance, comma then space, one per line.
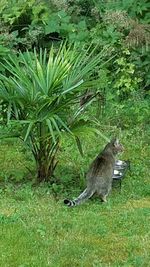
29, 129
42, 87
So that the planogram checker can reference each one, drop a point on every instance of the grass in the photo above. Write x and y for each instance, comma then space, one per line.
37, 230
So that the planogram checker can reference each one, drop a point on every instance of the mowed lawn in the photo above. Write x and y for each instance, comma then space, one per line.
37, 230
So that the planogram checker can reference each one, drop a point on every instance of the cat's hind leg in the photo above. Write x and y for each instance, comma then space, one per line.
104, 198
103, 193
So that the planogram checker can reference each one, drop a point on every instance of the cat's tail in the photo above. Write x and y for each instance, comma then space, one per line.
86, 194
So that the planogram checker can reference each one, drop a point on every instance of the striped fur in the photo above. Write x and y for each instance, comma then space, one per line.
81, 198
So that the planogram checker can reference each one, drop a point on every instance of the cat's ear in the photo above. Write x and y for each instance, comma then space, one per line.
115, 141
116, 146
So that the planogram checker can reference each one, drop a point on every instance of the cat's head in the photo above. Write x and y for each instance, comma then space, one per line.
116, 146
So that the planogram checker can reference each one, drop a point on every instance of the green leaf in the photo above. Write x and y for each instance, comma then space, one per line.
53, 25
78, 142
55, 125
28, 130
49, 124
63, 124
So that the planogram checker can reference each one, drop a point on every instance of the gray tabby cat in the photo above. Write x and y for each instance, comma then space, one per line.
99, 176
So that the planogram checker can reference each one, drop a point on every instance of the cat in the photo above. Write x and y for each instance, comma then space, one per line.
99, 176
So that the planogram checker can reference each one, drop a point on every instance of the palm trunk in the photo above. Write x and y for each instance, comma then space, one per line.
44, 153
47, 162
44, 174
46, 168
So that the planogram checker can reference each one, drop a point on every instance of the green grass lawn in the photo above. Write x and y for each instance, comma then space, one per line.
37, 230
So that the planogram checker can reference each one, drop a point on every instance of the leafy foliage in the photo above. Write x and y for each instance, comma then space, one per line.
122, 24
126, 84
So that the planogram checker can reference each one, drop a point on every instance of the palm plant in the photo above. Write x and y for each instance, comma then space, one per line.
41, 92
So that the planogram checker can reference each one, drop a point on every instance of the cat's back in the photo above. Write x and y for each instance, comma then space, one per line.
102, 166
